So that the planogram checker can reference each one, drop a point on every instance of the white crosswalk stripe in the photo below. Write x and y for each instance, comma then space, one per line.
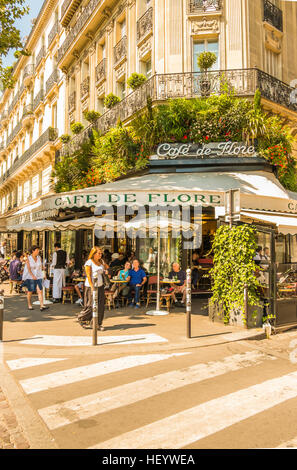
77, 374
84, 407
25, 362
52, 340
194, 424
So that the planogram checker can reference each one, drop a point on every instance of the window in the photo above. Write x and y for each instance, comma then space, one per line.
272, 63
121, 89
146, 67
123, 28
35, 186
207, 45
100, 105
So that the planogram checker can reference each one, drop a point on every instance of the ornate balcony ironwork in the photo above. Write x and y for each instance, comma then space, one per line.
243, 82
41, 54
52, 80
145, 24
273, 15
120, 50
13, 103
72, 102
50, 135
28, 74
38, 99
85, 88
28, 109
53, 32
101, 71
14, 132
74, 32
202, 6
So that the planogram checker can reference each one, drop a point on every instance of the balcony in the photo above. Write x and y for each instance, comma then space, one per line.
38, 99
273, 15
13, 103
120, 50
13, 134
85, 89
72, 102
74, 33
28, 74
41, 54
53, 80
160, 88
50, 135
53, 33
101, 71
68, 9
145, 25
28, 116
204, 6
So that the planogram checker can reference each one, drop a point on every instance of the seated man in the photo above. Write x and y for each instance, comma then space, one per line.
136, 278
79, 288
181, 276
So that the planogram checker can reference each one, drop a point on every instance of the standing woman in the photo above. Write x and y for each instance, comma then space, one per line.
32, 277
95, 264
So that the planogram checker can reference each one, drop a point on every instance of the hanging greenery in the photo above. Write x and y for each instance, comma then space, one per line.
234, 267
201, 120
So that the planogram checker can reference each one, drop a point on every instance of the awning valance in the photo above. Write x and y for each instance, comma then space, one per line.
285, 224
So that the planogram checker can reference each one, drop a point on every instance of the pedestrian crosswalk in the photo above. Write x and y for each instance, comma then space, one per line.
65, 402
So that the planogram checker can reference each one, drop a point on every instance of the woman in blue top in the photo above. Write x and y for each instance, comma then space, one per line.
123, 276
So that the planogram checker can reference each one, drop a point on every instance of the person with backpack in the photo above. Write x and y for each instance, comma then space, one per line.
59, 264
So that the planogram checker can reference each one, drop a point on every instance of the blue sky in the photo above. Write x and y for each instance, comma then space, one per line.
25, 25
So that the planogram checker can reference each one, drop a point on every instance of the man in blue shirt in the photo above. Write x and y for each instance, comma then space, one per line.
136, 278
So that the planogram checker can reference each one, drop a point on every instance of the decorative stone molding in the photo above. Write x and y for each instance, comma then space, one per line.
207, 25
101, 91
145, 49
273, 38
121, 71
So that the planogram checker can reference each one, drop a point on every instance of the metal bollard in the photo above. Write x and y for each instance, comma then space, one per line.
1, 313
189, 302
95, 312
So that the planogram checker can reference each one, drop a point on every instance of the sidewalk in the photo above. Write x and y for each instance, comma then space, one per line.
11, 433
126, 329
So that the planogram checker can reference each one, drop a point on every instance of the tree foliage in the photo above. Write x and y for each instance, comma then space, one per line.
10, 36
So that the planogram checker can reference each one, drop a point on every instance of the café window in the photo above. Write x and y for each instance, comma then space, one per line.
206, 45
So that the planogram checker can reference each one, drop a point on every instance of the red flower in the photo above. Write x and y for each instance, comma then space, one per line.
185, 137
207, 137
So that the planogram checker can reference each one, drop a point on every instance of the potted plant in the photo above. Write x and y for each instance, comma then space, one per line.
91, 116
205, 61
77, 127
65, 138
111, 100
136, 80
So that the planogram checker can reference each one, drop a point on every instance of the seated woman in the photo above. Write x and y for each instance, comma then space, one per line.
123, 276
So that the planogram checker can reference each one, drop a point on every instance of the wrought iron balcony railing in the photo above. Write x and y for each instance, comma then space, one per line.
41, 54
28, 110
50, 135
145, 24
13, 103
53, 32
72, 102
38, 99
243, 82
14, 132
202, 6
273, 15
28, 71
85, 88
120, 50
52, 80
101, 71
74, 32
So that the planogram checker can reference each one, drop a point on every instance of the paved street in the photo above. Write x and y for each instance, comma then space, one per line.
145, 385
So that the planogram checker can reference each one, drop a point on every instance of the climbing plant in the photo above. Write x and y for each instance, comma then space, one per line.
234, 267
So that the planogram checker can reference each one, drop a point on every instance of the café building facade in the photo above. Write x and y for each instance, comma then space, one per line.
186, 177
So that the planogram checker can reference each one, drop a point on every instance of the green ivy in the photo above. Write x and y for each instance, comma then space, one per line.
234, 267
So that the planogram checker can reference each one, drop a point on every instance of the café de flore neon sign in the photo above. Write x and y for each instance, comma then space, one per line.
212, 150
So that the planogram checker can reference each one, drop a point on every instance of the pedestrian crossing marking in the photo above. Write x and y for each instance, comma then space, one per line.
25, 362
77, 374
84, 407
51, 340
189, 426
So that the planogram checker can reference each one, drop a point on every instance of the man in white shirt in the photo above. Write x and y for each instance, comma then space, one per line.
59, 263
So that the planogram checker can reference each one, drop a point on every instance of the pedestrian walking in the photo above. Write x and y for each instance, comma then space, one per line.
94, 267
59, 264
32, 277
